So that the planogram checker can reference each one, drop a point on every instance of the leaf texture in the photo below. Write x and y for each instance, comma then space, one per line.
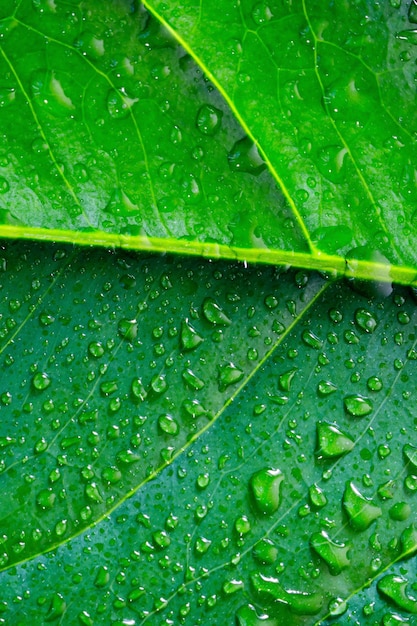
203, 443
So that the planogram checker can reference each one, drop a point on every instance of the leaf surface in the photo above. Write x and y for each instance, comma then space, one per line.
200, 443
114, 136
328, 93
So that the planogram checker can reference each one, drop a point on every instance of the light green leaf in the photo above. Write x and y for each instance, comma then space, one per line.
114, 136
328, 92
189, 438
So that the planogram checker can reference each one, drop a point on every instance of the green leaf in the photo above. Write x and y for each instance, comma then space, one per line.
327, 92
189, 439
114, 136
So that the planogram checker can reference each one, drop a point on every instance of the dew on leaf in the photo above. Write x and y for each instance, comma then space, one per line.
333, 553
159, 383
168, 425
361, 512
128, 329
410, 455
337, 606
326, 387
202, 544
332, 442
192, 380
400, 511
102, 577
365, 320
57, 608
317, 496
208, 119
265, 486
393, 619
96, 349
214, 313
311, 340
138, 390
244, 157
119, 104
395, 588
229, 374
271, 590
46, 499
190, 339
286, 379
247, 616
41, 381
92, 492
358, 406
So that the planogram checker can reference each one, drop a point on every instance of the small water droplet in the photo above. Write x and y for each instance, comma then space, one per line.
286, 379
317, 496
96, 349
412, 12
208, 119
128, 329
41, 381
159, 383
358, 406
192, 379
326, 387
265, 551
365, 320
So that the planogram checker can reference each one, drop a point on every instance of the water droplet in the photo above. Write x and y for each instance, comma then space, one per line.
109, 387
332, 442
231, 586
311, 340
190, 339
159, 383
102, 577
400, 511
119, 104
265, 486
395, 588
412, 12
337, 606
214, 313
138, 390
128, 329
244, 157
410, 36
208, 119
92, 492
334, 554
301, 603
358, 406
336, 316
374, 383
261, 13
247, 616
242, 525
360, 511
410, 455
317, 497
202, 545
96, 349
265, 552
111, 475
168, 425
46, 499
286, 379
366, 320
57, 608
192, 379
326, 387
41, 381
4, 185
229, 374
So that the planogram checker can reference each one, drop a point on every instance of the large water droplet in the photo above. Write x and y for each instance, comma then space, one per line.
271, 590
229, 374
41, 381
360, 511
332, 442
358, 406
311, 340
395, 588
214, 313
244, 157
265, 486
190, 339
334, 554
168, 425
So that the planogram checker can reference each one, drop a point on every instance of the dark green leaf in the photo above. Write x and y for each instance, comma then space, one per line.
211, 481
